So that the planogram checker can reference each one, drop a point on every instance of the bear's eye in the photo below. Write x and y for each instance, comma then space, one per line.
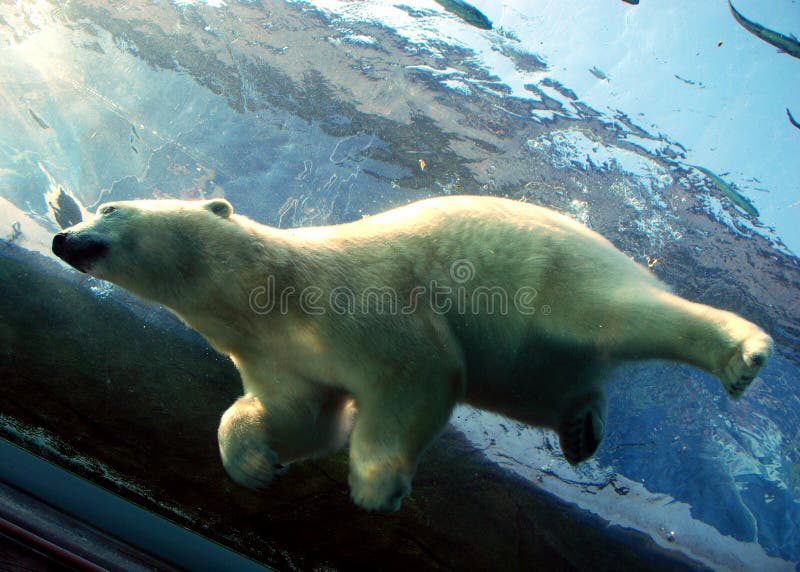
107, 210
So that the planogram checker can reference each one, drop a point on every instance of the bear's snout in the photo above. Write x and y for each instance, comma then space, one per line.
80, 252
59, 242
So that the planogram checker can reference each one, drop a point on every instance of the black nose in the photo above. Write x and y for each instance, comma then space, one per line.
58, 243
79, 249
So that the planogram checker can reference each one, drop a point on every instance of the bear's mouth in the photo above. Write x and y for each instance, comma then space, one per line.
80, 252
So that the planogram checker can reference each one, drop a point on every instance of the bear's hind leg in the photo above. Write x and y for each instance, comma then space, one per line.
582, 429
658, 324
257, 440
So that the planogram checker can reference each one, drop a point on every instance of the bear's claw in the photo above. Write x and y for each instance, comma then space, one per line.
252, 465
580, 435
743, 367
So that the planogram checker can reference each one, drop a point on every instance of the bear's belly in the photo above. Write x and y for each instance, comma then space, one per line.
535, 384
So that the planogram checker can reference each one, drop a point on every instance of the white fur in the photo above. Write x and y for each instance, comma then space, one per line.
301, 371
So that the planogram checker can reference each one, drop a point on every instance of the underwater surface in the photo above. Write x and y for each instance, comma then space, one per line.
668, 129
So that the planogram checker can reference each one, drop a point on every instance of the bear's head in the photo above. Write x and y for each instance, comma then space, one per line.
154, 248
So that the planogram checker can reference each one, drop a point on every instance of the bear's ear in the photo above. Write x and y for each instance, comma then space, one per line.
219, 207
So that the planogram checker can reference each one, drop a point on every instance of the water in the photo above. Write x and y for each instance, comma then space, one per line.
318, 113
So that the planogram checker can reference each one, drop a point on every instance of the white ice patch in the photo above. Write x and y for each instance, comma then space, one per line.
457, 85
362, 39
542, 115
437, 72
574, 148
211, 3
427, 27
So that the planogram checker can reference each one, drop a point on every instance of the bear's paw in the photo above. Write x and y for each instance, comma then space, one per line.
580, 434
380, 490
252, 464
743, 366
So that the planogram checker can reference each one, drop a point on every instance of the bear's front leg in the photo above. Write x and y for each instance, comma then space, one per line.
394, 427
243, 444
256, 438
379, 480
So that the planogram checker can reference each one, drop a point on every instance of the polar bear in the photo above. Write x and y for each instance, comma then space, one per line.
374, 330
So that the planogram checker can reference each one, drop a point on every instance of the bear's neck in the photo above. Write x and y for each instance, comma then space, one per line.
255, 269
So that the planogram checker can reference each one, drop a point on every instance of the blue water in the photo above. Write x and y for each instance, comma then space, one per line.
302, 115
